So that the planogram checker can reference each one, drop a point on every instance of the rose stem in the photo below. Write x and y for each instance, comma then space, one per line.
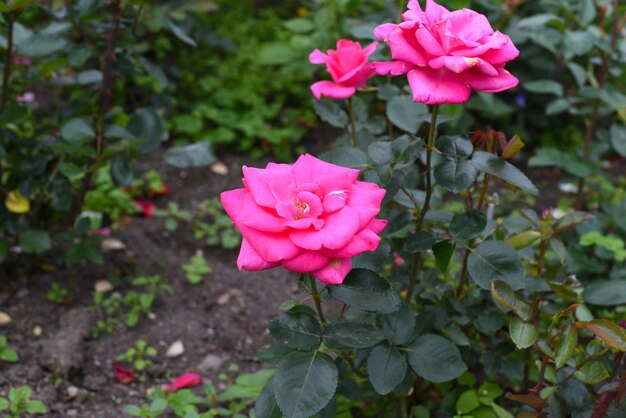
352, 121
316, 299
7, 61
430, 146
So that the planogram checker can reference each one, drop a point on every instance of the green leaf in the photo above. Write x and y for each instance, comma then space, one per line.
180, 33
9, 355
501, 412
41, 45
14, 113
366, 290
148, 125
305, 382
454, 175
346, 157
380, 152
578, 42
199, 154
435, 359
420, 241
398, 327
36, 407
467, 402
35, 241
544, 87
522, 333
344, 335
612, 334
454, 147
122, 172
605, 292
618, 138
592, 373
443, 252
403, 112
77, 130
299, 25
550, 157
505, 296
495, 260
566, 345
276, 53
386, 368
331, 113
296, 330
266, 406
489, 391
496, 166
468, 225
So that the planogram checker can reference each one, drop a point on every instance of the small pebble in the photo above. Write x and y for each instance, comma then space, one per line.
175, 350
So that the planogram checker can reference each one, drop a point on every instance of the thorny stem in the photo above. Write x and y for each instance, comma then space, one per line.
315, 294
593, 120
352, 121
430, 146
8, 59
602, 408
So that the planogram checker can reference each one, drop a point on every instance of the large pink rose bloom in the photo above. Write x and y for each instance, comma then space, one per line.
348, 66
447, 54
309, 217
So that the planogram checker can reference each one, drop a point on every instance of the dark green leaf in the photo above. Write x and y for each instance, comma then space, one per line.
443, 252
492, 164
4, 250
77, 131
147, 125
331, 113
398, 327
380, 152
454, 176
266, 406
495, 260
505, 296
366, 290
605, 292
612, 334
566, 345
296, 330
454, 147
180, 34
522, 333
304, 383
346, 157
35, 241
592, 373
122, 172
343, 335
420, 241
618, 138
194, 155
544, 86
386, 368
403, 112
435, 359
41, 45
468, 225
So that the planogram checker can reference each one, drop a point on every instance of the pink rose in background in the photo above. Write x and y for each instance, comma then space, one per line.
309, 217
27, 97
447, 54
348, 66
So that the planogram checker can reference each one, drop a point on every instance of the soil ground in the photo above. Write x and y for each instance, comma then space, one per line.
221, 321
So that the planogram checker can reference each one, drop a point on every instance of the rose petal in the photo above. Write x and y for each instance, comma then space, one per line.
334, 272
271, 247
504, 81
339, 228
331, 90
437, 86
365, 198
306, 262
250, 260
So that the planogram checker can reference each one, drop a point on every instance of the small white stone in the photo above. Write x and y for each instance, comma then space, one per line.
219, 168
103, 286
112, 244
5, 319
175, 350
72, 391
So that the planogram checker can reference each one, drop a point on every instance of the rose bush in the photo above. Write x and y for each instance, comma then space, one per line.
309, 217
348, 66
447, 54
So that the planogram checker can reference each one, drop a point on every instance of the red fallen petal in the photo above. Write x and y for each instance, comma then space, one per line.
397, 260
105, 232
147, 208
184, 381
163, 191
123, 374
622, 323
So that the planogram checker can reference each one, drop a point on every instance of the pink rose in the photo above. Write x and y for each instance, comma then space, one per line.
27, 97
309, 217
348, 66
447, 54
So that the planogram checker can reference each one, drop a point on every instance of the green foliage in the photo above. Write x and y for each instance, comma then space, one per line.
19, 403
197, 268
7, 353
116, 309
140, 356
58, 294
